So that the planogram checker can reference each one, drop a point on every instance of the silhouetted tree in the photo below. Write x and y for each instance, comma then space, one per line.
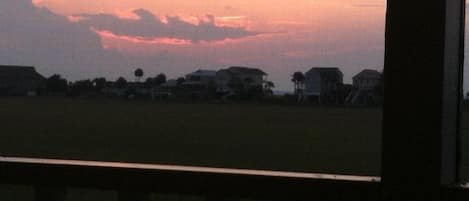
56, 83
160, 79
268, 86
149, 82
99, 83
180, 80
298, 80
83, 85
138, 74
79, 87
155, 81
121, 83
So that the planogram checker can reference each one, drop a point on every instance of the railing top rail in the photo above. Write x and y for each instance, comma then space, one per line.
194, 169
191, 180
205, 181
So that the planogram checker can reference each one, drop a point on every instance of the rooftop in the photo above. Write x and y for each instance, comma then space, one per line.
368, 74
246, 70
200, 72
327, 71
19, 71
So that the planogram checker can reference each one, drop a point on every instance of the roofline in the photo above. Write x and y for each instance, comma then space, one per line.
250, 68
14, 66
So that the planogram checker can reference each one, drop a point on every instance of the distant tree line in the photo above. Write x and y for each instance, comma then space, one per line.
57, 85
154, 87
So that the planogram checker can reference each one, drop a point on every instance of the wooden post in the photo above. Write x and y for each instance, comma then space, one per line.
423, 93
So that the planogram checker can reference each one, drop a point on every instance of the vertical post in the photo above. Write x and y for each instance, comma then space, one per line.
423, 79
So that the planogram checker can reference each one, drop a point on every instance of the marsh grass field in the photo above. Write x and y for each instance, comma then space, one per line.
341, 140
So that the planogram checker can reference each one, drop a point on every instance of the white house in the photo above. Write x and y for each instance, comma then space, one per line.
367, 79
321, 81
365, 86
201, 78
244, 76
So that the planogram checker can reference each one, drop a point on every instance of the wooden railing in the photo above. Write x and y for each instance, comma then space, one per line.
137, 181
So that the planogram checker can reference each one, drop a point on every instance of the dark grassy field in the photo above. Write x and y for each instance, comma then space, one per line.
276, 137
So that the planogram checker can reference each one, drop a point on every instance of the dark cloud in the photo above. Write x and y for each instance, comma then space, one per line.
31, 35
149, 26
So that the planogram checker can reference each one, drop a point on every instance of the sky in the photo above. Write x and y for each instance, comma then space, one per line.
111, 38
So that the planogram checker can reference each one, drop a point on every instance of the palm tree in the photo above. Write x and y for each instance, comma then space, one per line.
121, 83
160, 79
56, 83
138, 74
298, 79
269, 85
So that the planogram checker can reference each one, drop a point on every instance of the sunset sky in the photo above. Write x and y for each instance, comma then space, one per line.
89, 38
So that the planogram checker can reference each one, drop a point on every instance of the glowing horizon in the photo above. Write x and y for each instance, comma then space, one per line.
179, 36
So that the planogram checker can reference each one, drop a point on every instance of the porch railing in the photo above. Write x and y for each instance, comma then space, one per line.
136, 181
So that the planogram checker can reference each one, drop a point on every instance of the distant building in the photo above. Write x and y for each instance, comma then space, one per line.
199, 84
201, 77
365, 88
170, 84
367, 79
112, 90
323, 83
227, 80
21, 80
137, 89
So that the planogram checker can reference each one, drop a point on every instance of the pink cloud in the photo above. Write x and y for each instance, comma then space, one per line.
74, 18
149, 25
133, 39
127, 14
